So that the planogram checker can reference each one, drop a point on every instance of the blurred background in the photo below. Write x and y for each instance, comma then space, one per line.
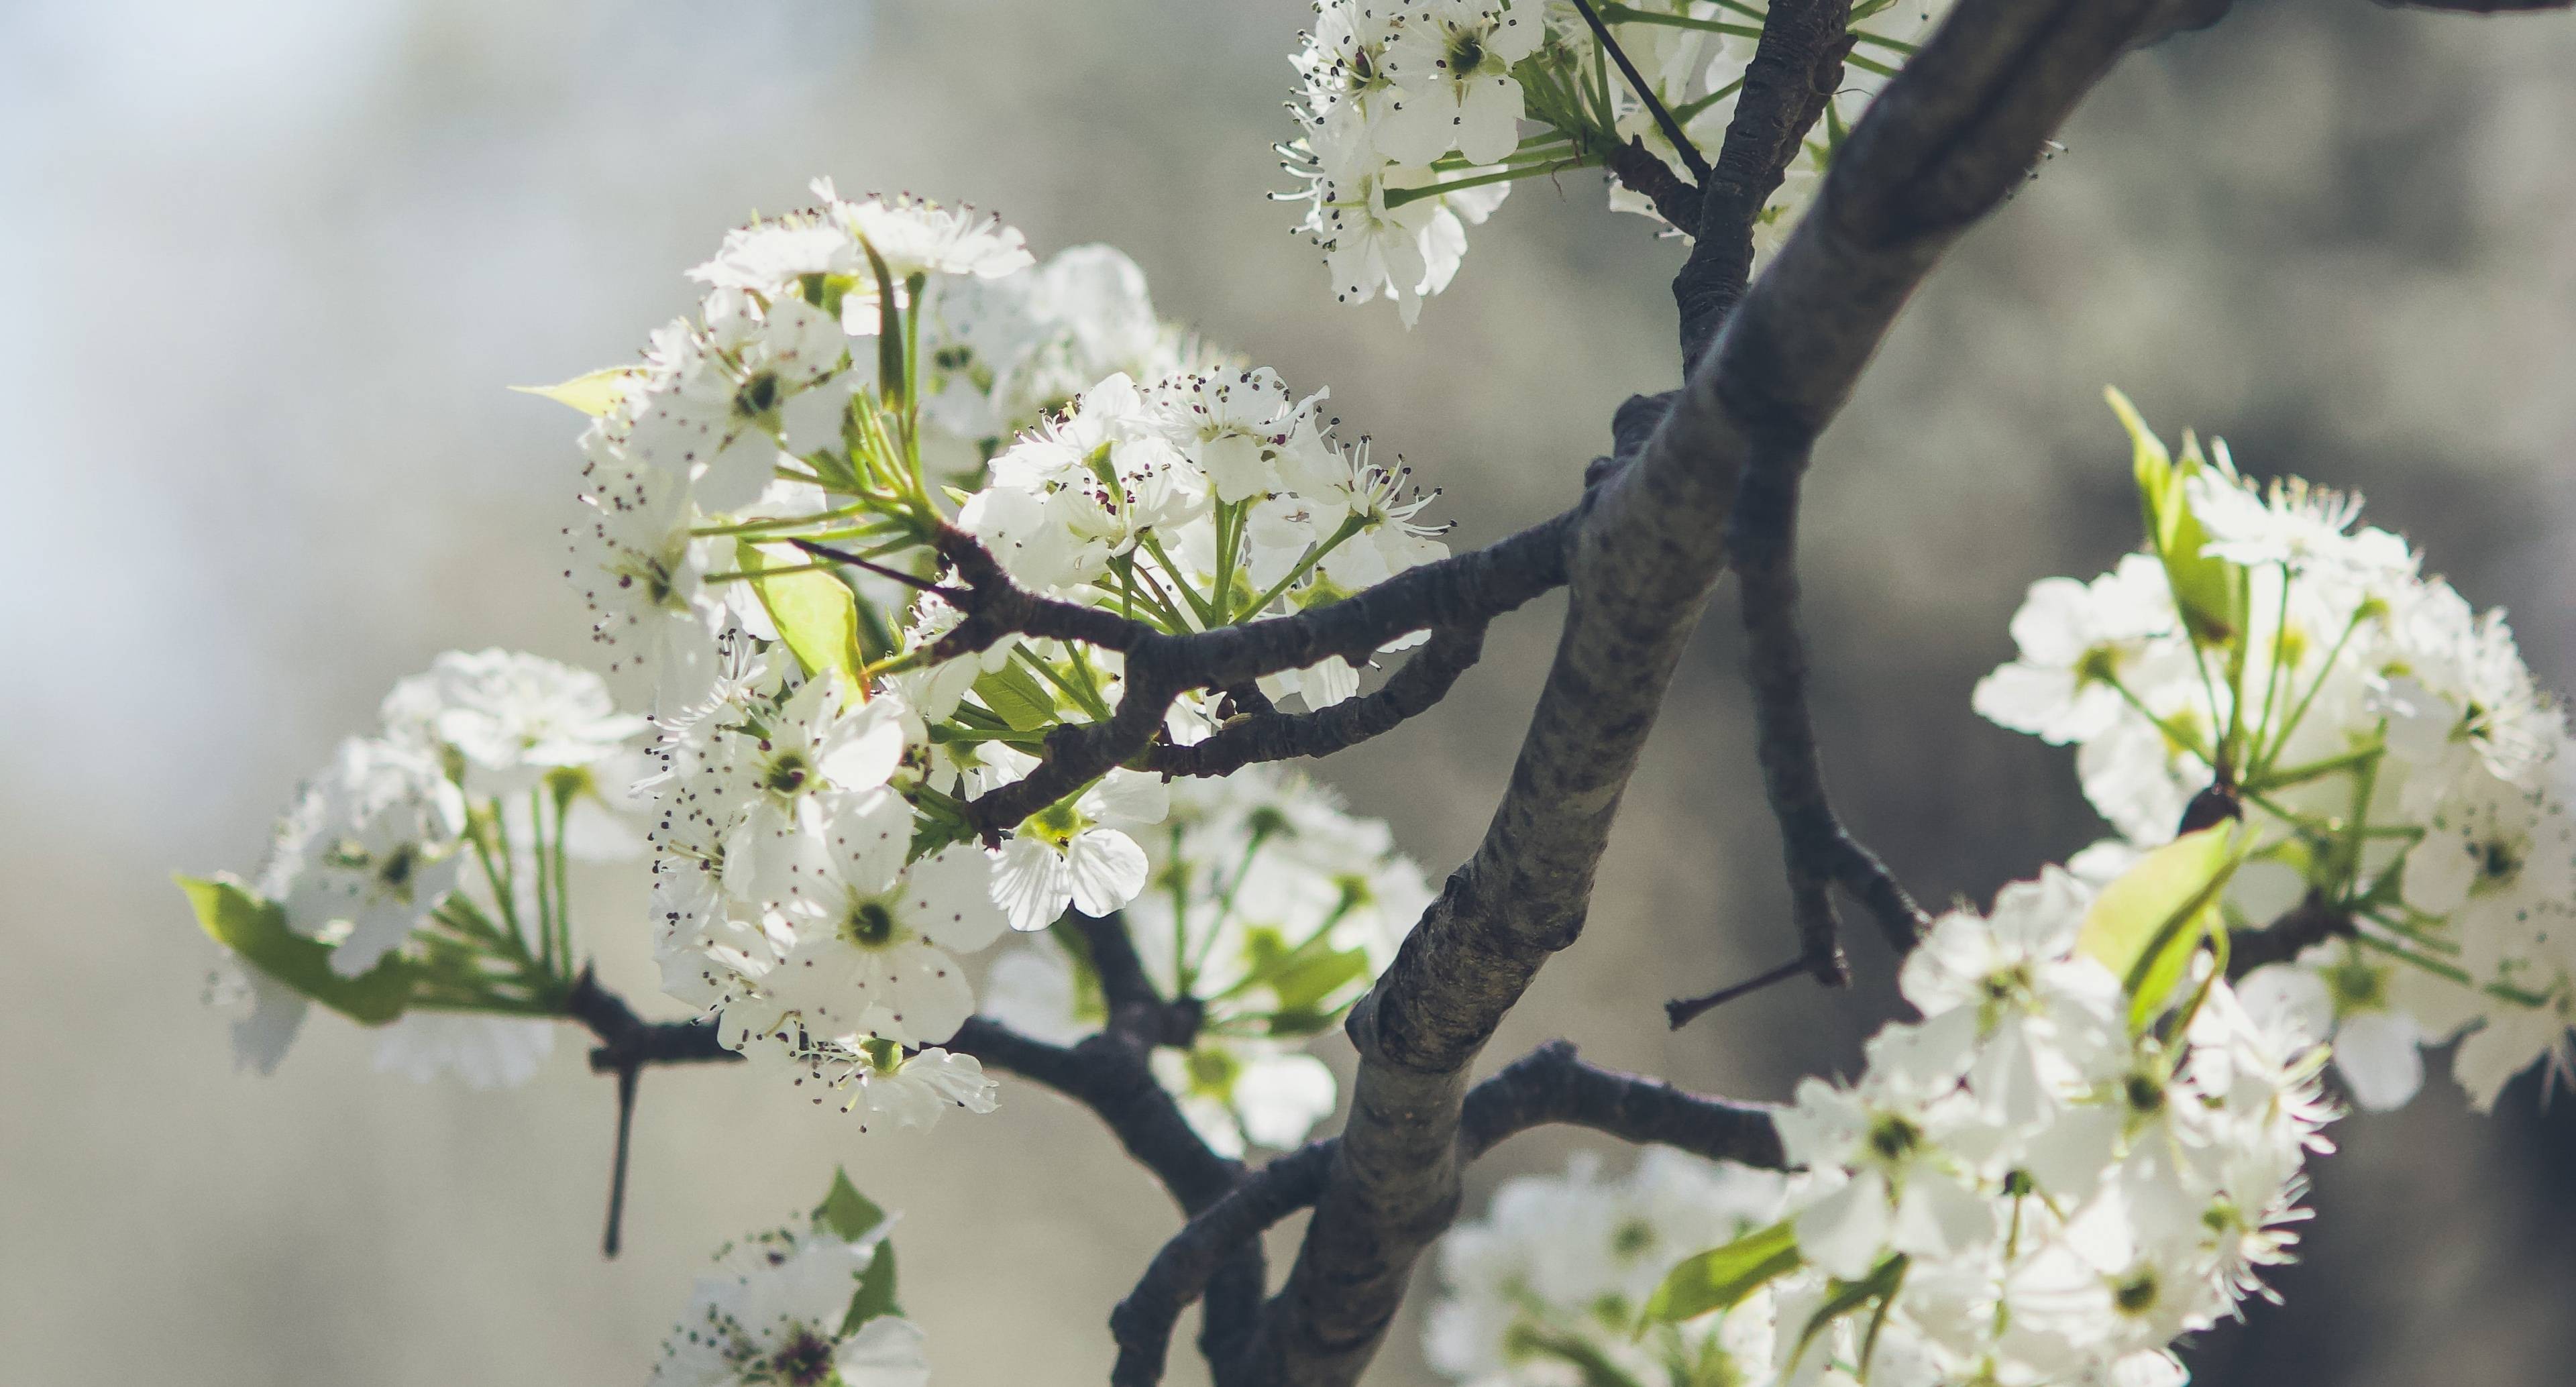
282, 256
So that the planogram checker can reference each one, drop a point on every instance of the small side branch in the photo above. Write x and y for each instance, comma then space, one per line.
2302, 927
1414, 689
1464, 590
1645, 90
1551, 1085
1819, 852
1796, 67
1180, 1272
2480, 6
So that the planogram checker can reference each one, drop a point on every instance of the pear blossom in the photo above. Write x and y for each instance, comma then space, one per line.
1079, 853
1450, 66
367, 851
773, 1312
512, 717
2397, 766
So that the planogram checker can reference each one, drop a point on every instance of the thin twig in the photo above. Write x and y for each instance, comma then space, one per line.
913, 581
1412, 690
626, 1082
1646, 93
1681, 1011
1817, 849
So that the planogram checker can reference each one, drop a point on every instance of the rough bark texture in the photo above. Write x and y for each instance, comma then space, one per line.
1942, 146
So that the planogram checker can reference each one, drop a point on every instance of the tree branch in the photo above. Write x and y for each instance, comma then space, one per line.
1109, 1074
1818, 851
1796, 66
1645, 90
1414, 689
2479, 6
1951, 136
1550, 1085
2309, 923
1462, 590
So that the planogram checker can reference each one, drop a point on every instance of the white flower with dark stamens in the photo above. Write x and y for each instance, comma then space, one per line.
877, 1081
771, 1316
367, 851
914, 235
1378, 506
877, 944
753, 382
2032, 1020
512, 717
1078, 853
2305, 528
1451, 69
641, 574
2076, 640
815, 741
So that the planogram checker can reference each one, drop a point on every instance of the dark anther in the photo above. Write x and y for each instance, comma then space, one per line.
2215, 805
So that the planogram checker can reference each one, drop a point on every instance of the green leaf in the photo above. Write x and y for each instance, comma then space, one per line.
1301, 978
257, 931
845, 1213
2209, 592
1016, 696
875, 1295
2145, 925
1718, 1278
592, 394
1843, 1297
815, 613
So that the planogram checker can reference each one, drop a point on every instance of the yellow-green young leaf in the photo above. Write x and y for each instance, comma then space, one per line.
1721, 1276
2144, 926
2209, 592
1016, 696
593, 394
845, 1213
257, 931
1300, 978
875, 1295
815, 613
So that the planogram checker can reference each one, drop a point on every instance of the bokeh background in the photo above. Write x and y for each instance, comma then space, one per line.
277, 259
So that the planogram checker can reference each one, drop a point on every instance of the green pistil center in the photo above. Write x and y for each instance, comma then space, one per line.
869, 925
1892, 1138
758, 395
787, 773
2135, 1293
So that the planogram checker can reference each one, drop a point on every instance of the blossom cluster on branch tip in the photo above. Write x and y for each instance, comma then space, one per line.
421, 881
767, 496
2403, 778
2086, 1147
1270, 905
808, 1305
1415, 117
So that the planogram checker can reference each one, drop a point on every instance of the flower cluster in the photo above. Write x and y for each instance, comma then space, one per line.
2086, 1147
1548, 1287
801, 1306
1694, 54
1201, 501
2405, 780
767, 494
421, 881
999, 355
1410, 115
1272, 907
